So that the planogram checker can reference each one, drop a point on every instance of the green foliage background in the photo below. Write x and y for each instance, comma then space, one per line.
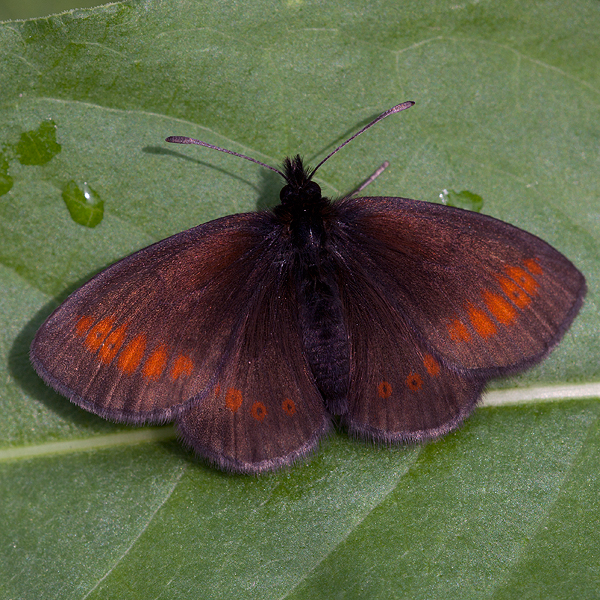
508, 97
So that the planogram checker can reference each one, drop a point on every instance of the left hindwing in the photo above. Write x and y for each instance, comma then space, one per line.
264, 410
484, 297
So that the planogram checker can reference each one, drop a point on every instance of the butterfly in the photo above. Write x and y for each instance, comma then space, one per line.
256, 332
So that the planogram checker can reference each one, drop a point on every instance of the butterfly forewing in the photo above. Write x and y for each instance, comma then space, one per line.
484, 296
150, 333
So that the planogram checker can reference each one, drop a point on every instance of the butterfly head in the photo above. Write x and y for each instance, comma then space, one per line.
299, 190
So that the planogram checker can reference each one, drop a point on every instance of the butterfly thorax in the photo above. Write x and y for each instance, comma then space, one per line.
303, 209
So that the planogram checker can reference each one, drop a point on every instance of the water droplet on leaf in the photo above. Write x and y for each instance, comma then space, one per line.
6, 181
85, 205
38, 146
464, 199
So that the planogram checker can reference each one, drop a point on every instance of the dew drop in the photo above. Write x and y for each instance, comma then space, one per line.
6, 181
38, 146
464, 199
84, 204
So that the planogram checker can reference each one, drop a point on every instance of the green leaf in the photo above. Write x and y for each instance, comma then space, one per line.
506, 107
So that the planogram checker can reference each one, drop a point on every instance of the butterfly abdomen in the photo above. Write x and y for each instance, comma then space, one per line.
324, 334
321, 318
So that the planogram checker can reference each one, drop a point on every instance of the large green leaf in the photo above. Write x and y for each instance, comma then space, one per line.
508, 97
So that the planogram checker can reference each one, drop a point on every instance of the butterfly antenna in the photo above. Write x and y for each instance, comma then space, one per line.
369, 180
387, 113
178, 139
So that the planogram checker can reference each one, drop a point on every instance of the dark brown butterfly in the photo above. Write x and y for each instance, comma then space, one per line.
253, 330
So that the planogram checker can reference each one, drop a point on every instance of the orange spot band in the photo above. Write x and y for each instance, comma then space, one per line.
132, 354
97, 334
482, 324
522, 278
432, 365
112, 344
83, 325
533, 266
182, 367
458, 331
502, 310
155, 364
514, 292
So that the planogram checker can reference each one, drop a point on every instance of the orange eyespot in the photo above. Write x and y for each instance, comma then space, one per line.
514, 292
523, 278
384, 390
258, 411
112, 344
97, 334
155, 364
233, 399
288, 407
414, 382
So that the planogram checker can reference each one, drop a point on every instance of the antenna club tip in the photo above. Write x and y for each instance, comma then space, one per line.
401, 106
177, 139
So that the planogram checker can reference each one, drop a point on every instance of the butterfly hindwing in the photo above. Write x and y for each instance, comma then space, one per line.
265, 410
486, 297
399, 391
